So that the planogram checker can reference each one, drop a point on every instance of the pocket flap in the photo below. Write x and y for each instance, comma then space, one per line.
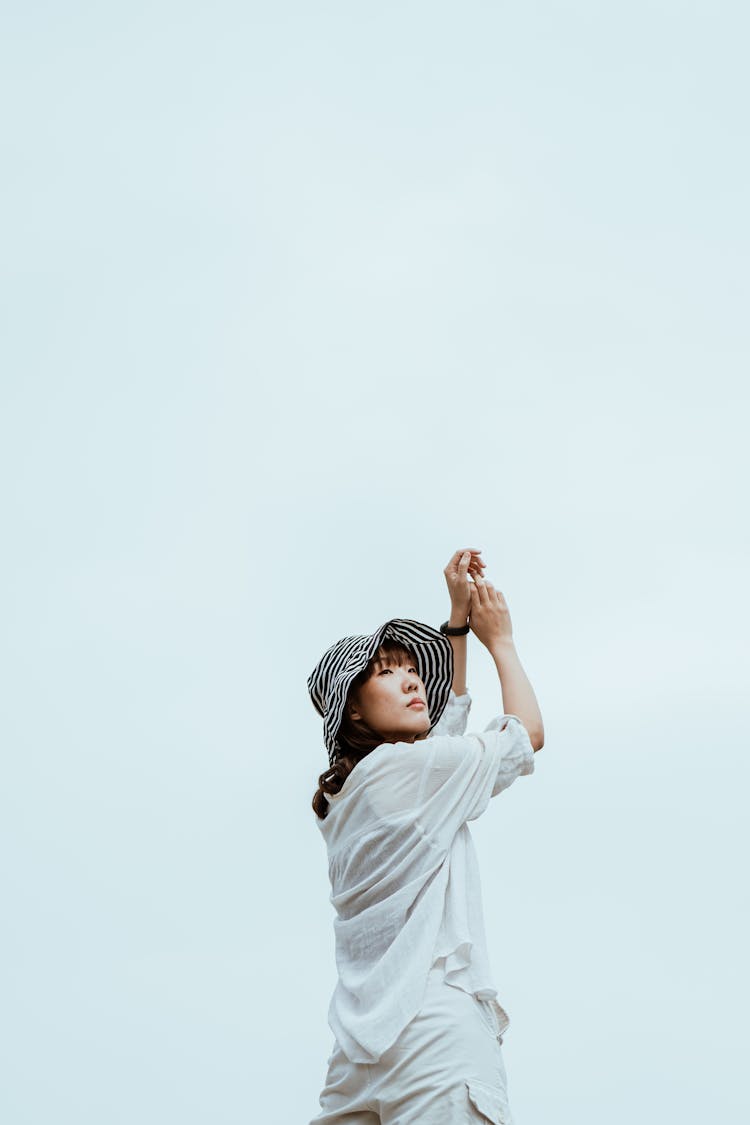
490, 1101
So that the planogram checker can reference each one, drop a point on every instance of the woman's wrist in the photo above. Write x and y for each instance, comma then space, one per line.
457, 618
501, 649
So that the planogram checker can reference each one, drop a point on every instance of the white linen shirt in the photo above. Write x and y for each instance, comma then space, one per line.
404, 875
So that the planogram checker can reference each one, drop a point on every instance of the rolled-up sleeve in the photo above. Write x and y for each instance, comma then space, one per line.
455, 716
461, 774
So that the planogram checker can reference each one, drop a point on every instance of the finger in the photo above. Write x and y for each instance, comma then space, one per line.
480, 602
456, 568
452, 565
481, 586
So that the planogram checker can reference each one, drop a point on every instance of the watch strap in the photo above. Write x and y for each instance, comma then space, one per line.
460, 631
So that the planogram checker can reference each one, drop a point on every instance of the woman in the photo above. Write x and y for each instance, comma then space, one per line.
418, 1029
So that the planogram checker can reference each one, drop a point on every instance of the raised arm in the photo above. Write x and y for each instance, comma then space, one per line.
462, 564
490, 622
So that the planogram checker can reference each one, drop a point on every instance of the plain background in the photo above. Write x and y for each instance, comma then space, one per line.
297, 300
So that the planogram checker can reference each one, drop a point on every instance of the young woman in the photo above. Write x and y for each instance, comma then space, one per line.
417, 1025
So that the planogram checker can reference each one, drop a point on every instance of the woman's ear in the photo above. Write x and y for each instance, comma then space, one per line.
352, 711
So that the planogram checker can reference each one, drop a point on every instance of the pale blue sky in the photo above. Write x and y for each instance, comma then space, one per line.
298, 299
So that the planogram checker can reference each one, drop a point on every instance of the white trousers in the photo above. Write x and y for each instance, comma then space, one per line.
446, 1068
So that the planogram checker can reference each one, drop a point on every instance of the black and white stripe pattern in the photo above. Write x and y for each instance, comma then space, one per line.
330, 680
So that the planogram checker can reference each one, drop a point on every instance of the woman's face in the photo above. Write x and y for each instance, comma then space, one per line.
393, 701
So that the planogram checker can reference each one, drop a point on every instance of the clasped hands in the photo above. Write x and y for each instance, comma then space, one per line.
476, 600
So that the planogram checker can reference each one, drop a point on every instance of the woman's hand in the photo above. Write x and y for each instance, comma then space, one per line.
489, 615
462, 564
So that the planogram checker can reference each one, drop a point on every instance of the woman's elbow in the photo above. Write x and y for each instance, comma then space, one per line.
536, 738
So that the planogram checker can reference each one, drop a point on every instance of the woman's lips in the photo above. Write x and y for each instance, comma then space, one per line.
416, 703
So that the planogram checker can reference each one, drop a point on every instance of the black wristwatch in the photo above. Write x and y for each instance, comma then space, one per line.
461, 631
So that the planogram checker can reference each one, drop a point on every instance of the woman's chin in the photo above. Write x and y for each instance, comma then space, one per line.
417, 728
420, 725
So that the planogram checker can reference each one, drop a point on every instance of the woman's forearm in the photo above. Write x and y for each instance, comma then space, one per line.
518, 694
459, 655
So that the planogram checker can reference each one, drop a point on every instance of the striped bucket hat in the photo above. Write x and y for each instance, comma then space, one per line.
330, 680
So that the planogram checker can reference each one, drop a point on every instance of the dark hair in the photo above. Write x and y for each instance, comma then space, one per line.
355, 737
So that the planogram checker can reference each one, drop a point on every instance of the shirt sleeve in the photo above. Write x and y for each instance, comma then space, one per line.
454, 717
461, 774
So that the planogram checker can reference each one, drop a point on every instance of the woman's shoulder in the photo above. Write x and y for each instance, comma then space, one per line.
381, 764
